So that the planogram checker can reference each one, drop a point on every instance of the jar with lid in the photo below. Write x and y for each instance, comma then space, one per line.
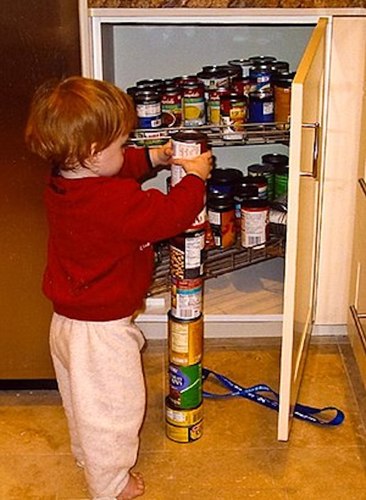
223, 181
261, 106
282, 94
266, 171
221, 216
254, 223
259, 181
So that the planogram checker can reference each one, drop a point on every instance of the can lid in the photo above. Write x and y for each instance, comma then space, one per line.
243, 192
280, 66
189, 136
225, 175
275, 159
220, 201
255, 202
251, 179
262, 59
284, 79
259, 168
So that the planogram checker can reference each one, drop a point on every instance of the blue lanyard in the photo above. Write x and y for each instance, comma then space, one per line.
313, 415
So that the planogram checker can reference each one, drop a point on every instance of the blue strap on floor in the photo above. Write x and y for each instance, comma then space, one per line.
254, 393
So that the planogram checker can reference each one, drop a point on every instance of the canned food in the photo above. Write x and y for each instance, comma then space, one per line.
261, 76
183, 426
213, 78
279, 67
259, 181
213, 105
194, 111
221, 215
223, 181
186, 144
281, 181
261, 106
185, 385
243, 64
233, 113
243, 85
275, 159
171, 107
262, 59
148, 109
266, 171
187, 255
282, 95
185, 339
242, 192
254, 222
186, 298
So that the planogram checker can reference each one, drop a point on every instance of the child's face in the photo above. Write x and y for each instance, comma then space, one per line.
109, 161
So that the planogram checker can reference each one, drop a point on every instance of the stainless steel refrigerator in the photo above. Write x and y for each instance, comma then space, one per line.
39, 39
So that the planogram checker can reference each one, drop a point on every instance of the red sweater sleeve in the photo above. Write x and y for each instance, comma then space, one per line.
151, 215
136, 164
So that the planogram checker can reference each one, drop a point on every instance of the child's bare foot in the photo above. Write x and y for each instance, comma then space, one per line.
134, 488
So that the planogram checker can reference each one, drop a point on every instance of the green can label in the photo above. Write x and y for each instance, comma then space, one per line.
185, 385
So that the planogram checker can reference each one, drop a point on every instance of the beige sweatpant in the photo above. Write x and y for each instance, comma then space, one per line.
99, 372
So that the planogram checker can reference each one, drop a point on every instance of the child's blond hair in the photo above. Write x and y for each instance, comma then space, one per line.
71, 119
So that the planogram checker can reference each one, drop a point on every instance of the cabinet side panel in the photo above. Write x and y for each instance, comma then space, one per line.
341, 162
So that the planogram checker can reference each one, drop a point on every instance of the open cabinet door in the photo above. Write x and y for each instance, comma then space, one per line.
305, 171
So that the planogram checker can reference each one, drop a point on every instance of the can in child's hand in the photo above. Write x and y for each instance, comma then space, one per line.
186, 144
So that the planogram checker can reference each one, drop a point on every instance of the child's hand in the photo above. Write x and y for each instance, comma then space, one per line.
200, 166
161, 155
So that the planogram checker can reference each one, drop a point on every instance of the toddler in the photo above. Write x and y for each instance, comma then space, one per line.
102, 225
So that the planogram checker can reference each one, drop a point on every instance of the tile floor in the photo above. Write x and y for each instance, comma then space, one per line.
237, 457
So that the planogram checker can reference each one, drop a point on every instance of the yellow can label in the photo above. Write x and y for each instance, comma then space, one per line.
184, 418
184, 434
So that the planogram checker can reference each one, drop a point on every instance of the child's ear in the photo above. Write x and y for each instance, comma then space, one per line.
92, 163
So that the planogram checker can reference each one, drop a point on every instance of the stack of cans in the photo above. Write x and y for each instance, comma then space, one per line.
184, 411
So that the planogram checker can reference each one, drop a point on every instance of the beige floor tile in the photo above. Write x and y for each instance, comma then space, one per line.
33, 429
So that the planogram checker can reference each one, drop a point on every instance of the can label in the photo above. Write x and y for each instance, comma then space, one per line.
184, 434
185, 385
182, 149
186, 298
223, 227
182, 418
187, 255
149, 115
171, 106
185, 341
194, 113
254, 226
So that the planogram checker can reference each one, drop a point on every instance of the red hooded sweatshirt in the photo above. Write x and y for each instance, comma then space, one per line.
100, 257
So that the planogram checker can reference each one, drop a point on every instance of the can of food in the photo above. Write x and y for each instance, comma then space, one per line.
261, 106
223, 181
243, 85
266, 171
233, 114
243, 64
185, 339
282, 95
151, 84
183, 426
260, 182
186, 253
281, 181
194, 108
186, 298
262, 59
171, 107
213, 105
221, 216
242, 192
186, 144
148, 109
213, 78
254, 223
261, 75
185, 385
275, 159
279, 67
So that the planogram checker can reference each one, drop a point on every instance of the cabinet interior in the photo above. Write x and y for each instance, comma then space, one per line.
133, 51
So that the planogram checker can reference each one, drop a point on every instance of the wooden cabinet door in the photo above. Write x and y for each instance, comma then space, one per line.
305, 174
